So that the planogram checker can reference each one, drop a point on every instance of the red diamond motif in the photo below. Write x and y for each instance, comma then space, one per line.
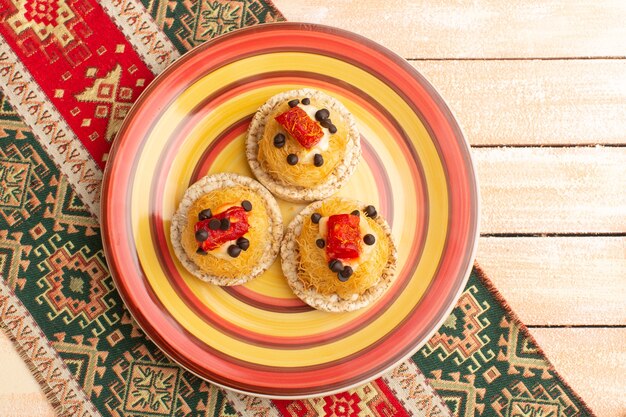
105, 90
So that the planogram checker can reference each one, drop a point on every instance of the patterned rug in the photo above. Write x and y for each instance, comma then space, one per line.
69, 72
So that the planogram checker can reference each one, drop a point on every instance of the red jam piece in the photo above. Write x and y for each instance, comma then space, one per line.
238, 227
344, 237
299, 125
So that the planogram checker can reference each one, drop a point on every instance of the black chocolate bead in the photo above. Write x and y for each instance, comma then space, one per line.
327, 123
318, 160
234, 251
315, 218
201, 235
205, 214
214, 224
369, 239
292, 159
247, 206
346, 272
225, 224
306, 101
335, 265
243, 243
320, 243
321, 115
356, 213
199, 251
279, 140
370, 211
332, 129
293, 103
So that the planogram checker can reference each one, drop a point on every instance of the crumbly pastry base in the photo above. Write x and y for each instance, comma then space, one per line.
290, 258
339, 175
206, 185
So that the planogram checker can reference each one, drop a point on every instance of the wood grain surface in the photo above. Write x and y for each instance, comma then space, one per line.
552, 190
20, 395
534, 102
593, 361
449, 29
559, 281
535, 85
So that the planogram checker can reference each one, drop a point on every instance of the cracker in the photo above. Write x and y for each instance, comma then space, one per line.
338, 176
206, 185
290, 258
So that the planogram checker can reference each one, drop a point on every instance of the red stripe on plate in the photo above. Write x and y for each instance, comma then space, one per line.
432, 309
231, 133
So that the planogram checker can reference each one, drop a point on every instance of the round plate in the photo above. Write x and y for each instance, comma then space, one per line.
259, 338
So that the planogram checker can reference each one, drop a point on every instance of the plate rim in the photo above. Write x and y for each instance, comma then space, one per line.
309, 27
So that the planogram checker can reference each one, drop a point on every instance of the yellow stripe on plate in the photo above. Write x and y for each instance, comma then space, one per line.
271, 323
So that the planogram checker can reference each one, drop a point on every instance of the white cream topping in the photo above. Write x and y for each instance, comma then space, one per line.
309, 109
221, 252
307, 155
323, 226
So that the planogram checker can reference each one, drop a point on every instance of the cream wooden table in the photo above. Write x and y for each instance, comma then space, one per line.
539, 89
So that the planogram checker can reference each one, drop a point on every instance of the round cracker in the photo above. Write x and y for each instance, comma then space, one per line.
290, 257
338, 176
214, 182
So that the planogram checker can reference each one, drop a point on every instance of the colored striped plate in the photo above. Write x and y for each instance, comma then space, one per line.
259, 338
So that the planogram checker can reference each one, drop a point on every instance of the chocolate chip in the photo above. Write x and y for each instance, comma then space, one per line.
356, 213
332, 129
201, 235
294, 102
292, 159
225, 224
346, 273
327, 123
335, 265
243, 243
279, 140
247, 206
370, 211
321, 115
214, 224
205, 214
318, 160
315, 218
306, 101
320, 243
369, 239
234, 251
200, 251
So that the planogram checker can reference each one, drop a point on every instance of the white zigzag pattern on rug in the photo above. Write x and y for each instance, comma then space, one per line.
43, 360
154, 47
49, 128
417, 396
